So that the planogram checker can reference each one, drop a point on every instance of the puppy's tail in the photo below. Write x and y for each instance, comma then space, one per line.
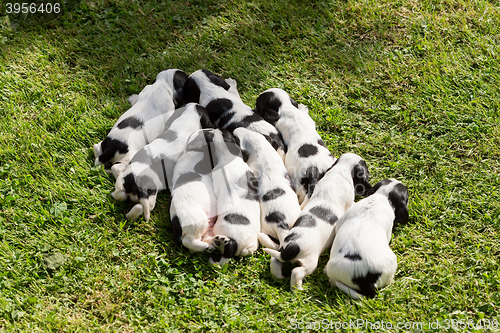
284, 254
273, 253
355, 294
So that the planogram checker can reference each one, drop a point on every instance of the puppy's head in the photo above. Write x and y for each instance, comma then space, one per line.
224, 147
269, 104
200, 80
397, 194
359, 172
245, 138
175, 78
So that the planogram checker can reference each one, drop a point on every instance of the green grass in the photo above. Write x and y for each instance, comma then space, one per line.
411, 86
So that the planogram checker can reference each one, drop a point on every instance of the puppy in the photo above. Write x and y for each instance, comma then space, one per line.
312, 232
226, 109
193, 208
151, 169
238, 223
307, 157
143, 122
361, 260
279, 207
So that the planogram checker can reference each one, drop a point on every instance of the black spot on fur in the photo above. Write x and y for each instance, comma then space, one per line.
276, 141
305, 221
230, 249
179, 79
187, 177
321, 143
294, 103
353, 256
290, 251
307, 150
398, 198
109, 148
275, 217
311, 178
217, 108
191, 91
324, 214
237, 219
204, 117
253, 186
292, 236
273, 194
132, 122
367, 283
360, 177
216, 79
204, 166
169, 135
176, 230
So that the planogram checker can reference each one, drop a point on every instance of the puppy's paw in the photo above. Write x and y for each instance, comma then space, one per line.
119, 195
232, 82
209, 249
135, 212
132, 99
97, 150
220, 240
303, 108
117, 169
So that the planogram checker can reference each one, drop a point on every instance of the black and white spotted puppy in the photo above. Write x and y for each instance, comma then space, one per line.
143, 122
151, 169
279, 206
226, 109
312, 232
238, 222
361, 260
307, 156
193, 208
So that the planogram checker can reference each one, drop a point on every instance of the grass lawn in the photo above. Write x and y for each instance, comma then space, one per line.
411, 86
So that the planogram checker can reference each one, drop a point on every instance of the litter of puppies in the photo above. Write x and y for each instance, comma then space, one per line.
240, 176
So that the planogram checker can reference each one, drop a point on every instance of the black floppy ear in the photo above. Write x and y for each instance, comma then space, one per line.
204, 117
270, 115
398, 198
180, 79
360, 177
245, 154
216, 79
191, 91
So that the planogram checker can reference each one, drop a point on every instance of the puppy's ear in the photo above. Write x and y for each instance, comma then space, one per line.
360, 177
204, 117
270, 115
191, 91
398, 198
245, 154
294, 102
216, 79
180, 79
